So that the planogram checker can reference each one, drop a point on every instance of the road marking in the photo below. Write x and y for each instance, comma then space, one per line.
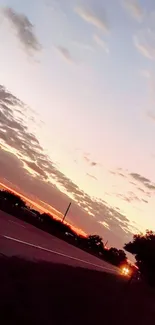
58, 253
16, 223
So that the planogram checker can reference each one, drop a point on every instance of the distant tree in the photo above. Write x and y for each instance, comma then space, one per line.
116, 256
143, 248
13, 199
56, 225
95, 243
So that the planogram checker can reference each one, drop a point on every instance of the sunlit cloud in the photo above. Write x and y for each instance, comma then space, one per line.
105, 224
35, 173
83, 46
94, 16
99, 41
144, 38
144, 43
35, 168
134, 8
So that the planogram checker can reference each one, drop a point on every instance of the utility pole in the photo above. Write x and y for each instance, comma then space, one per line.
63, 219
106, 243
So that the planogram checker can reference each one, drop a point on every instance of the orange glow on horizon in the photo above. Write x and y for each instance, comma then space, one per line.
42, 209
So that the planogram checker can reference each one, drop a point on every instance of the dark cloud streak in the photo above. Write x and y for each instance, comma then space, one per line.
143, 180
24, 29
65, 54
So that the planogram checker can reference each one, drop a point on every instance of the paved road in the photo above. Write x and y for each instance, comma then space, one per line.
18, 238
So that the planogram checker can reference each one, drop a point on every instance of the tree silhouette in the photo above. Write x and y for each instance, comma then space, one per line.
143, 248
95, 243
117, 256
13, 199
13, 204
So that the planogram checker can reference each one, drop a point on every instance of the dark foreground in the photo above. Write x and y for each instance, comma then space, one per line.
45, 293
18, 238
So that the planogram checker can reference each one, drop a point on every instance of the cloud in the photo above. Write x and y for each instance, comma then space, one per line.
90, 161
144, 44
144, 39
24, 29
94, 15
99, 41
24, 163
34, 167
131, 197
134, 8
144, 201
65, 54
140, 189
91, 176
93, 163
117, 172
105, 224
145, 181
83, 46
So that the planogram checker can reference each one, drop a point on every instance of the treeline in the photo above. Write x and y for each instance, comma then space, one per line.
143, 248
14, 205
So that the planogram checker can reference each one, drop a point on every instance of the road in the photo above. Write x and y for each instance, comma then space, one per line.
18, 238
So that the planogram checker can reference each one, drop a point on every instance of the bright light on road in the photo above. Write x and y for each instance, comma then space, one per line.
125, 271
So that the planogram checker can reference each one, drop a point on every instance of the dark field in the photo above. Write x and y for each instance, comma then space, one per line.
45, 293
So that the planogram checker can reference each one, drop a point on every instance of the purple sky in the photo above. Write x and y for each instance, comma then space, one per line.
82, 126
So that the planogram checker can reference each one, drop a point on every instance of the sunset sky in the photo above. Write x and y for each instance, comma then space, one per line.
77, 109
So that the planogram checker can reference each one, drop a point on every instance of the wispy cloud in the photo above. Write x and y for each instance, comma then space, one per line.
130, 197
94, 16
145, 181
105, 224
118, 172
134, 8
83, 46
91, 162
144, 39
24, 29
144, 43
145, 201
35, 168
65, 54
100, 42
150, 80
92, 176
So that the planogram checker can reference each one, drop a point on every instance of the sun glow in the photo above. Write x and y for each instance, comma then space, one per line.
41, 208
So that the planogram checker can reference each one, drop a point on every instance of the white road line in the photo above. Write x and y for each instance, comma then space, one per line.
58, 253
16, 223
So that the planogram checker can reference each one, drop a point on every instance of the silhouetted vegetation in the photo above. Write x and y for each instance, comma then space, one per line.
143, 248
13, 204
116, 256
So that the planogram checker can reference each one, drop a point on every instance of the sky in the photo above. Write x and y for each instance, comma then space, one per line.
77, 110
